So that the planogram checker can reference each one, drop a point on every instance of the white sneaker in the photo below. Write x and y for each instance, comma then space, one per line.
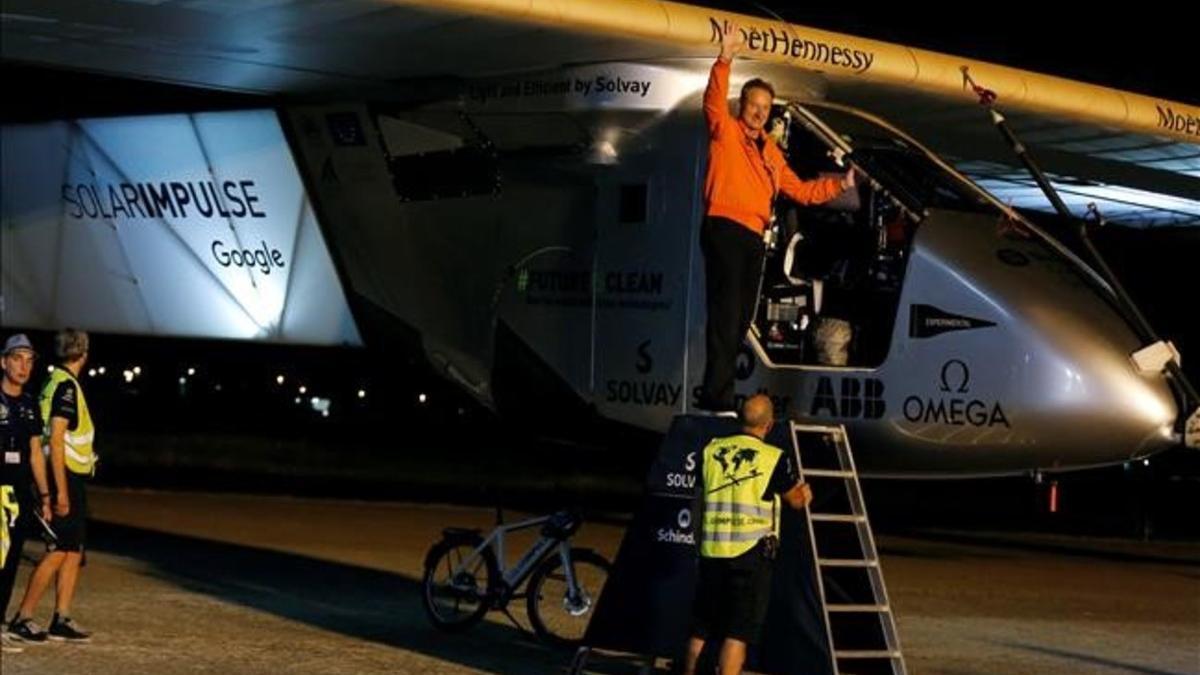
9, 645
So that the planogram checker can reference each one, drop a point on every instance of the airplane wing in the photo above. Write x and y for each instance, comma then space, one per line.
1134, 178
1136, 157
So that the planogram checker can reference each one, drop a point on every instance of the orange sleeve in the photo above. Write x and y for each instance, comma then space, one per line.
716, 104
816, 191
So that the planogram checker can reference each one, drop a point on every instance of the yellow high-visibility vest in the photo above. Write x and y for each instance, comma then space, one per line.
9, 510
737, 470
81, 459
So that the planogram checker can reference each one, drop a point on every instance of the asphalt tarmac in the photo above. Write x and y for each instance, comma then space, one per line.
196, 583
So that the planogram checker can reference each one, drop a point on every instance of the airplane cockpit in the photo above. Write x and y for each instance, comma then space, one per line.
833, 272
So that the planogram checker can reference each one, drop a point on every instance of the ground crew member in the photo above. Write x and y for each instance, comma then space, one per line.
745, 173
744, 479
9, 513
22, 467
70, 434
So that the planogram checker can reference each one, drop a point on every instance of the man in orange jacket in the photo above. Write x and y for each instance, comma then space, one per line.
746, 170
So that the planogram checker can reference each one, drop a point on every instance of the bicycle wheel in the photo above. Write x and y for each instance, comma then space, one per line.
559, 615
456, 596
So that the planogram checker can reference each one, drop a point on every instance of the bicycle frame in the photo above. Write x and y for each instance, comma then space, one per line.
513, 577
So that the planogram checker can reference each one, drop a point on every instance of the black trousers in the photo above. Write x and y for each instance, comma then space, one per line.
732, 596
733, 258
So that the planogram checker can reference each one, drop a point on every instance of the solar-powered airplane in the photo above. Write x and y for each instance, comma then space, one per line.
514, 188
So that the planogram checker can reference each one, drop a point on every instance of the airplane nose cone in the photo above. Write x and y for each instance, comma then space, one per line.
1136, 411
1154, 407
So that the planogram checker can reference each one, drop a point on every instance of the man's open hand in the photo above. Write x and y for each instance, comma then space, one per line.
731, 41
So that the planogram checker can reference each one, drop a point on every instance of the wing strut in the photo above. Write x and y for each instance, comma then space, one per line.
1186, 394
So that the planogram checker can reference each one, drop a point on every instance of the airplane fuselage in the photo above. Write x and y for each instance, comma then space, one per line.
579, 267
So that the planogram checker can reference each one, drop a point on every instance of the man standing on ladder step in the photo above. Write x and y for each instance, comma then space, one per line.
745, 173
744, 479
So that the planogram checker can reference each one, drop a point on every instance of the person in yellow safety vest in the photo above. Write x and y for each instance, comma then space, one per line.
9, 512
744, 480
70, 433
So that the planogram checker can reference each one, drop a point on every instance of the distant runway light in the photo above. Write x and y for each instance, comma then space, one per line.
278, 379
324, 413
191, 371
183, 380
362, 393
137, 370
422, 398
128, 375
1145, 462
297, 400
303, 390
92, 372
100, 370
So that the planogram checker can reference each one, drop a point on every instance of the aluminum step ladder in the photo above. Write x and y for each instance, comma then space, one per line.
860, 625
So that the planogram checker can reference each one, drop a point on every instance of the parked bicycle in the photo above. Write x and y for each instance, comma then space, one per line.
466, 576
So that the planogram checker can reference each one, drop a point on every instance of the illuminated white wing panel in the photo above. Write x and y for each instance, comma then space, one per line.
188, 225
1119, 204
